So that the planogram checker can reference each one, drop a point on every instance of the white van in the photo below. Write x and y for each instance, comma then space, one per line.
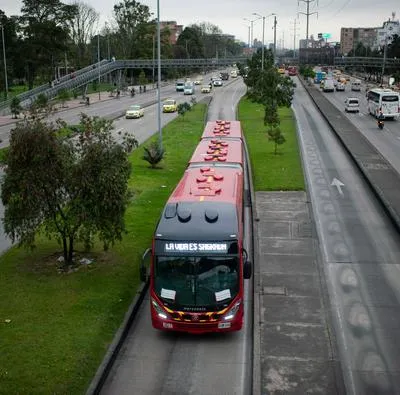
356, 85
329, 85
352, 104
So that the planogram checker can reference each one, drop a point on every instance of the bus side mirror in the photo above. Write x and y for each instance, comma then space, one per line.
246, 265
144, 265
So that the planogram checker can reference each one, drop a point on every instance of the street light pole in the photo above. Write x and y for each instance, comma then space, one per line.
98, 61
5, 64
263, 35
159, 73
251, 29
384, 59
274, 38
154, 56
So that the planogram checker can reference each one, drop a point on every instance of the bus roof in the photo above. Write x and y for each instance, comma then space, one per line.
205, 205
222, 129
218, 150
383, 91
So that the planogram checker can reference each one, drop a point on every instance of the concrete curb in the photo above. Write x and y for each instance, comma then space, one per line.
256, 351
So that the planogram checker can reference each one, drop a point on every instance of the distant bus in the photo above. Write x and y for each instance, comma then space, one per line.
384, 100
292, 70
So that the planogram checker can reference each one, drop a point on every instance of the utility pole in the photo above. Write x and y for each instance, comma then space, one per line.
307, 14
294, 37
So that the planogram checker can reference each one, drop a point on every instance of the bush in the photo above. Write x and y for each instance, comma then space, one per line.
153, 154
15, 106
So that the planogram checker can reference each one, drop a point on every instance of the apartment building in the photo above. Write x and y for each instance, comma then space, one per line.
351, 36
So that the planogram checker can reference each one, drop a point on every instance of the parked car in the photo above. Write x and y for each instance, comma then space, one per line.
352, 104
134, 111
169, 105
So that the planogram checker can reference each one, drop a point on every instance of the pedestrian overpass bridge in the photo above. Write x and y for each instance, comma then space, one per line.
95, 71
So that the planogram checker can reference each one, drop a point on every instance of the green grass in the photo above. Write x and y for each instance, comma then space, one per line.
61, 324
281, 172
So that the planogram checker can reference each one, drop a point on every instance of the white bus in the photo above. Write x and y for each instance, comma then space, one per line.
384, 100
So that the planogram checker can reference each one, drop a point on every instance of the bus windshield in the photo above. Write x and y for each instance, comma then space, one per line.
196, 282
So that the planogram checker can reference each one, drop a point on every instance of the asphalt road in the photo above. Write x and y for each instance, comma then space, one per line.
387, 141
153, 362
360, 250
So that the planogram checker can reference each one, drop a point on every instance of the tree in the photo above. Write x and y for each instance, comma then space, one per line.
72, 190
275, 135
15, 106
133, 28
270, 89
45, 33
153, 154
82, 27
183, 108
63, 96
393, 50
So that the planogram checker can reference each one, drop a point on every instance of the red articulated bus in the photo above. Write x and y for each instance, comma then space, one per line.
292, 70
197, 260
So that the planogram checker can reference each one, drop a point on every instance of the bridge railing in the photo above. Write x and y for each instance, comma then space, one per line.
365, 61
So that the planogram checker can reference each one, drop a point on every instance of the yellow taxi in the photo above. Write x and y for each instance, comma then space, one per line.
169, 105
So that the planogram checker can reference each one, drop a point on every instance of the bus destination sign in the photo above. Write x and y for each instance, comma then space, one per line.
194, 247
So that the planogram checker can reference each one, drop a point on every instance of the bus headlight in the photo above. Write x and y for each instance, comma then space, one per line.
230, 314
160, 312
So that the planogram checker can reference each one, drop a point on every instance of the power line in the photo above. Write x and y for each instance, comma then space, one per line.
308, 13
295, 27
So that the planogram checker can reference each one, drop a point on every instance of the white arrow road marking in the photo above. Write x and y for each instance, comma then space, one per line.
338, 184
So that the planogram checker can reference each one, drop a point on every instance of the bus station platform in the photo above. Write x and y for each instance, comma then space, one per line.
293, 346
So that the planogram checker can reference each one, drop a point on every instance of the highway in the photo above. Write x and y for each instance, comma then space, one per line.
387, 141
359, 251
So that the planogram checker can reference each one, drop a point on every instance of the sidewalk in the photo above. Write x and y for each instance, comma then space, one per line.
74, 103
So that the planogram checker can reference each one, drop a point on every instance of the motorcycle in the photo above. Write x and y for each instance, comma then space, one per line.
381, 124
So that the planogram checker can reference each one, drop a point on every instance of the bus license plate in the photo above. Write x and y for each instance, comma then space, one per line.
224, 325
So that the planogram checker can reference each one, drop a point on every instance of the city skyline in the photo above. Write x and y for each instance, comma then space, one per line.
327, 17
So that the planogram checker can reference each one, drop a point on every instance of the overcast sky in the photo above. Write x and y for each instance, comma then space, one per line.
329, 15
